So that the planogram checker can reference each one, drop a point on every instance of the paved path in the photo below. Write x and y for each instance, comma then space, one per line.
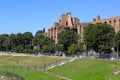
58, 76
58, 64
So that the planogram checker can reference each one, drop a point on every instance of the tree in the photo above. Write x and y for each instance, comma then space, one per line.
19, 43
72, 49
67, 38
117, 41
48, 44
3, 37
88, 35
12, 40
19, 48
36, 39
59, 47
28, 37
27, 41
40, 32
20, 39
47, 41
48, 49
81, 48
6, 44
99, 37
43, 43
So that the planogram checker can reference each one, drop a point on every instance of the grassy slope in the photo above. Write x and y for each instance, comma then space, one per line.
36, 76
31, 61
88, 69
28, 60
81, 69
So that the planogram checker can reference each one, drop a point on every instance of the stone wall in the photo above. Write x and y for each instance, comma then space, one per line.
65, 22
114, 22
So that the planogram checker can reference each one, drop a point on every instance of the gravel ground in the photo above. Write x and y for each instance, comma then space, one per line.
4, 78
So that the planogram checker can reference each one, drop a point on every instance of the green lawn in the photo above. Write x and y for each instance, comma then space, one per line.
31, 75
28, 60
36, 76
80, 69
10, 62
89, 69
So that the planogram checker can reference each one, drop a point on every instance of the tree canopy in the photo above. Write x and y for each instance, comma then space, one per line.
117, 41
99, 37
67, 38
72, 49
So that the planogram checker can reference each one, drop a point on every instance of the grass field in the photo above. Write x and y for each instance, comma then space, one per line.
19, 61
36, 76
80, 69
28, 60
89, 69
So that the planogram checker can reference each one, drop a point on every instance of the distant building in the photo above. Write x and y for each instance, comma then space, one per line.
66, 22
114, 22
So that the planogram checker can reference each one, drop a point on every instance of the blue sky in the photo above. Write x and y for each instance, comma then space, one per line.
32, 15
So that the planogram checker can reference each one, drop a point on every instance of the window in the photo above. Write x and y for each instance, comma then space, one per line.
110, 22
66, 23
119, 22
105, 22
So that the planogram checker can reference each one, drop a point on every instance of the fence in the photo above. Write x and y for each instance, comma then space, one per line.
21, 68
43, 67
101, 56
14, 76
10, 71
10, 76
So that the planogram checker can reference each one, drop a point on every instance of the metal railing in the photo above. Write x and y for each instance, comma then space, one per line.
10, 75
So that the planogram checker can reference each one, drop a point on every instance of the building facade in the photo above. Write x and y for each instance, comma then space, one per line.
114, 22
66, 22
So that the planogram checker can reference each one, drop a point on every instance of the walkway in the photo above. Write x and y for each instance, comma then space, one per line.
58, 64
58, 76
8, 58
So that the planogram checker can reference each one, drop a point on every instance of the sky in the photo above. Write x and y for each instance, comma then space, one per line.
19, 16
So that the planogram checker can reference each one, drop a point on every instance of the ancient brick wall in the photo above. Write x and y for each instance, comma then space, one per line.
114, 22
66, 21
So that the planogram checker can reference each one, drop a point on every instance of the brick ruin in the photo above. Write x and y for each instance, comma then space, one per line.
66, 22
114, 22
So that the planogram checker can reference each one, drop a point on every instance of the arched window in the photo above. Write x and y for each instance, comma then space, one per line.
119, 21
105, 22
114, 23
66, 23
110, 22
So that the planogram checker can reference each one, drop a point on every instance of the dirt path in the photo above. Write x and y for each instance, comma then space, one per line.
8, 57
59, 64
4, 78
58, 76
117, 71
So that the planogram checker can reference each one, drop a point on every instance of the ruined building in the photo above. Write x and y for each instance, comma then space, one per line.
114, 22
66, 22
